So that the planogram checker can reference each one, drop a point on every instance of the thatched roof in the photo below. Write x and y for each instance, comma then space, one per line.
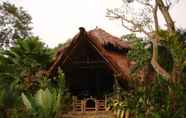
111, 48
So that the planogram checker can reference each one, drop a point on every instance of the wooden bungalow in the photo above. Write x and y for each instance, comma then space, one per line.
92, 62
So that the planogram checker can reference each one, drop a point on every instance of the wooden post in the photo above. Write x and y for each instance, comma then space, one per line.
105, 102
96, 105
73, 102
116, 86
82, 105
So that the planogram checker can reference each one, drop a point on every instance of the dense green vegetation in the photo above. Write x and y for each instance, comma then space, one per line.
18, 66
22, 57
152, 97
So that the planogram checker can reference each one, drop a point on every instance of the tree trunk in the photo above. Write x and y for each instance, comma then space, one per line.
156, 16
175, 77
175, 74
154, 59
165, 12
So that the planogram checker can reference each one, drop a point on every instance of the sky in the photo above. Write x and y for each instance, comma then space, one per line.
56, 21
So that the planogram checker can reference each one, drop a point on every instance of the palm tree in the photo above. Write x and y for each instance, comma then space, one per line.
16, 64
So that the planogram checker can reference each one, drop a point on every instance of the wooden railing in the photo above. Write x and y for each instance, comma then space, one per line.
78, 105
81, 105
100, 105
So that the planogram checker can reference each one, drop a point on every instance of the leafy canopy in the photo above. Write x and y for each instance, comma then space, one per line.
14, 24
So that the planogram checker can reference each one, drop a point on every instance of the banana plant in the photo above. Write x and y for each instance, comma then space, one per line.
44, 104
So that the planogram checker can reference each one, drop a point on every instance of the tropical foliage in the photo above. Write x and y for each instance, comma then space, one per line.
152, 97
18, 65
44, 103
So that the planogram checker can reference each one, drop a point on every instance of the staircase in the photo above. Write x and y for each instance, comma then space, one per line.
90, 114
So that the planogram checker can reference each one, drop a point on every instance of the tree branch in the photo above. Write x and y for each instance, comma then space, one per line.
155, 9
166, 15
154, 39
145, 4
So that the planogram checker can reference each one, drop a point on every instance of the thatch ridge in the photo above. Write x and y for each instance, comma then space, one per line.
112, 48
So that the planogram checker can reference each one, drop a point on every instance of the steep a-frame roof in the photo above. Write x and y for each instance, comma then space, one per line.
111, 48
